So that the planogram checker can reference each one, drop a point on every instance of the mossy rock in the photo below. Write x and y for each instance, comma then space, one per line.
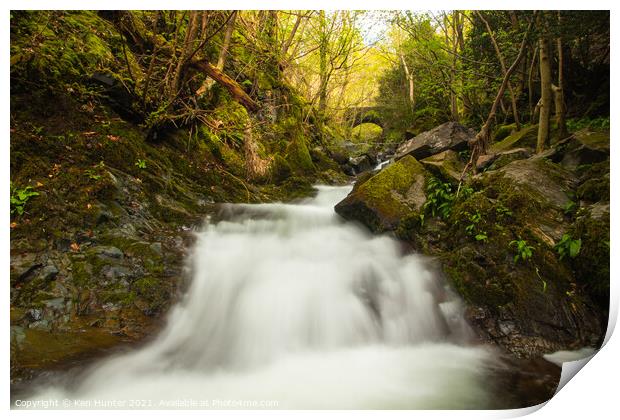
446, 165
526, 137
298, 156
592, 263
280, 169
387, 197
503, 131
366, 132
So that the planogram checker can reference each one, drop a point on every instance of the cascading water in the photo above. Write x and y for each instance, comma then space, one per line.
290, 304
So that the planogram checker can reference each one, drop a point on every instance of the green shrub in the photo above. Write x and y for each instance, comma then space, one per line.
19, 198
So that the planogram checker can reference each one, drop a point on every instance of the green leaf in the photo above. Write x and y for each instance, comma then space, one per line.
574, 248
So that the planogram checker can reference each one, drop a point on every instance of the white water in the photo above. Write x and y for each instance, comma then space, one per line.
290, 304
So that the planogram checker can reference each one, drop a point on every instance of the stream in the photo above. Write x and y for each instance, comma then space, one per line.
291, 307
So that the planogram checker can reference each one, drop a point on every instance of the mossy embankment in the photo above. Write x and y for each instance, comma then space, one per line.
99, 241
525, 242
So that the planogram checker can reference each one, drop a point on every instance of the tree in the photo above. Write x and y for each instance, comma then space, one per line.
545, 93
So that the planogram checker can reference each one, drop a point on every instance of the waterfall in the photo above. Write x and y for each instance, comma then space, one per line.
289, 306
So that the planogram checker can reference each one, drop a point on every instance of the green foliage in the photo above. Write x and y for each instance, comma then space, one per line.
19, 198
366, 132
568, 246
576, 124
524, 251
502, 211
141, 163
570, 207
472, 228
439, 198
95, 173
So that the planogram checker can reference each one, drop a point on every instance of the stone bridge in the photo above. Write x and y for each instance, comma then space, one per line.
363, 114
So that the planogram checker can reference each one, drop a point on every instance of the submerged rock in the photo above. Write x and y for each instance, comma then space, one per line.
450, 135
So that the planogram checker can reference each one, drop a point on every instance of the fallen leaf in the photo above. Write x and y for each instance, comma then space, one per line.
75, 247
13, 225
113, 138
39, 184
88, 206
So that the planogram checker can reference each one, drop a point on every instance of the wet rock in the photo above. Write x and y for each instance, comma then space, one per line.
450, 135
339, 157
23, 266
116, 273
384, 199
35, 314
361, 163
48, 273
107, 251
156, 248
348, 169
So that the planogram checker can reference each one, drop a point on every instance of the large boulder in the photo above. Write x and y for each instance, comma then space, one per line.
447, 136
494, 161
586, 147
524, 138
383, 200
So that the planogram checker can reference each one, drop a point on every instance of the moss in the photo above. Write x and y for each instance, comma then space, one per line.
396, 178
383, 200
593, 261
280, 169
526, 137
596, 184
153, 290
41, 349
595, 139
366, 132
503, 131
298, 156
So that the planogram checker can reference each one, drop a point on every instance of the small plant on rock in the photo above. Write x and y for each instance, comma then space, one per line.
439, 198
19, 198
568, 246
524, 251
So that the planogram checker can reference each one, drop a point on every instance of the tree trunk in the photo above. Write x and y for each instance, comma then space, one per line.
480, 143
322, 64
255, 166
467, 103
545, 96
286, 45
411, 83
188, 45
530, 85
233, 87
560, 105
